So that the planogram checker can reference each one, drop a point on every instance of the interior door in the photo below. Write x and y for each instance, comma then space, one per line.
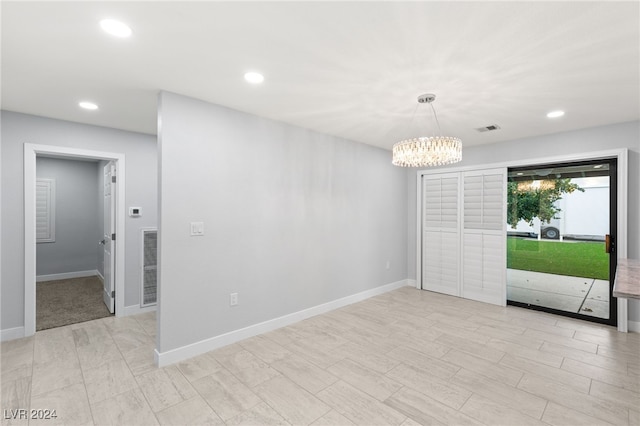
484, 247
441, 234
109, 235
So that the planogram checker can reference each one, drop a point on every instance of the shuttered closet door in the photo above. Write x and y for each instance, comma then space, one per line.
441, 233
484, 242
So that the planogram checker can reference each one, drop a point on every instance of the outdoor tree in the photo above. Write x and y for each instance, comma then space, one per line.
527, 200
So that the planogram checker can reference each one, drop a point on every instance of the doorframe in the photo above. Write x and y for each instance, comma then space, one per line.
621, 155
30, 153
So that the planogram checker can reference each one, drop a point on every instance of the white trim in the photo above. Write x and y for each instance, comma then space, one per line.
66, 275
99, 275
11, 334
137, 309
623, 315
194, 349
411, 282
419, 231
30, 152
623, 200
634, 326
593, 155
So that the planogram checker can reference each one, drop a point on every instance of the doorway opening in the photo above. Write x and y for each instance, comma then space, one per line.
32, 151
70, 266
561, 235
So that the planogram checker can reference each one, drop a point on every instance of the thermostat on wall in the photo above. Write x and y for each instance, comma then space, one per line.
135, 211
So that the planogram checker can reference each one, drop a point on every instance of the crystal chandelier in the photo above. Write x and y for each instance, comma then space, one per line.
427, 151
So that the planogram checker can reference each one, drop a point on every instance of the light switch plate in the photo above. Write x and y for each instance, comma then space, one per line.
197, 229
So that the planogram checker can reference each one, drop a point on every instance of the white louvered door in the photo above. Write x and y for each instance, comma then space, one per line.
45, 211
483, 238
441, 233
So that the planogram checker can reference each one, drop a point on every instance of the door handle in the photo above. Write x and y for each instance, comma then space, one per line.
103, 241
609, 244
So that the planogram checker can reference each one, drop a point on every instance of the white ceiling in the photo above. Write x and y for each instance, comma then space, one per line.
352, 69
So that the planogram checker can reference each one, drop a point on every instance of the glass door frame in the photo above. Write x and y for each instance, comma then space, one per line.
613, 228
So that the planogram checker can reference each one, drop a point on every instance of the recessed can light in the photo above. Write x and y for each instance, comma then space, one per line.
254, 77
555, 114
88, 105
115, 28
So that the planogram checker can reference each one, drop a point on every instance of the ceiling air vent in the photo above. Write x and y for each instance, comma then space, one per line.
488, 128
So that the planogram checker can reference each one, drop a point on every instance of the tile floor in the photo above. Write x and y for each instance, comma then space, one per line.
403, 358
586, 296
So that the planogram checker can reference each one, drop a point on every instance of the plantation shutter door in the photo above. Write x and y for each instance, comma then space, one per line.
484, 238
441, 233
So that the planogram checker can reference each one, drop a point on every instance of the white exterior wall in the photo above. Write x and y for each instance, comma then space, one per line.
582, 213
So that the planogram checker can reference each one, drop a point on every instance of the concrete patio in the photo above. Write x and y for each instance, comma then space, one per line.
586, 296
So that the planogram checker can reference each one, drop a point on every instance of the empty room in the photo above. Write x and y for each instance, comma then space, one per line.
320, 213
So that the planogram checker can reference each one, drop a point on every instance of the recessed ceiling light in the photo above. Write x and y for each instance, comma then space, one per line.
555, 114
88, 105
115, 28
254, 77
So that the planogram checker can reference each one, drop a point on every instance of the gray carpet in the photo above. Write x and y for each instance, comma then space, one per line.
65, 302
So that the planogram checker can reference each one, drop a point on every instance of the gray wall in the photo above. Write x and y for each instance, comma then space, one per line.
293, 219
141, 190
76, 216
615, 136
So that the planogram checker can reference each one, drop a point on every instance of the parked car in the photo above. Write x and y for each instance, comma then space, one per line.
550, 233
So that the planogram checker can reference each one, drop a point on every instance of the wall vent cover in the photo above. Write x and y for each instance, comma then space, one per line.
488, 128
149, 267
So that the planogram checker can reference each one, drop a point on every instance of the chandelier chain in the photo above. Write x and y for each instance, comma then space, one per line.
436, 117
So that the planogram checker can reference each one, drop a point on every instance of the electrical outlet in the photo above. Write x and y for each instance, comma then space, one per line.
233, 299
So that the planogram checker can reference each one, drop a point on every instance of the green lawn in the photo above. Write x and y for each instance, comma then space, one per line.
578, 259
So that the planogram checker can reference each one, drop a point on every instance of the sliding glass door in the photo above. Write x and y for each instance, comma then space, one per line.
561, 238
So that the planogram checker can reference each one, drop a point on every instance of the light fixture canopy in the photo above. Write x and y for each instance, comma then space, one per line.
427, 151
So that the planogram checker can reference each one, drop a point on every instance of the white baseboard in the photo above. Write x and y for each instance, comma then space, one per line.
194, 349
66, 275
411, 283
136, 309
634, 326
11, 334
100, 276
